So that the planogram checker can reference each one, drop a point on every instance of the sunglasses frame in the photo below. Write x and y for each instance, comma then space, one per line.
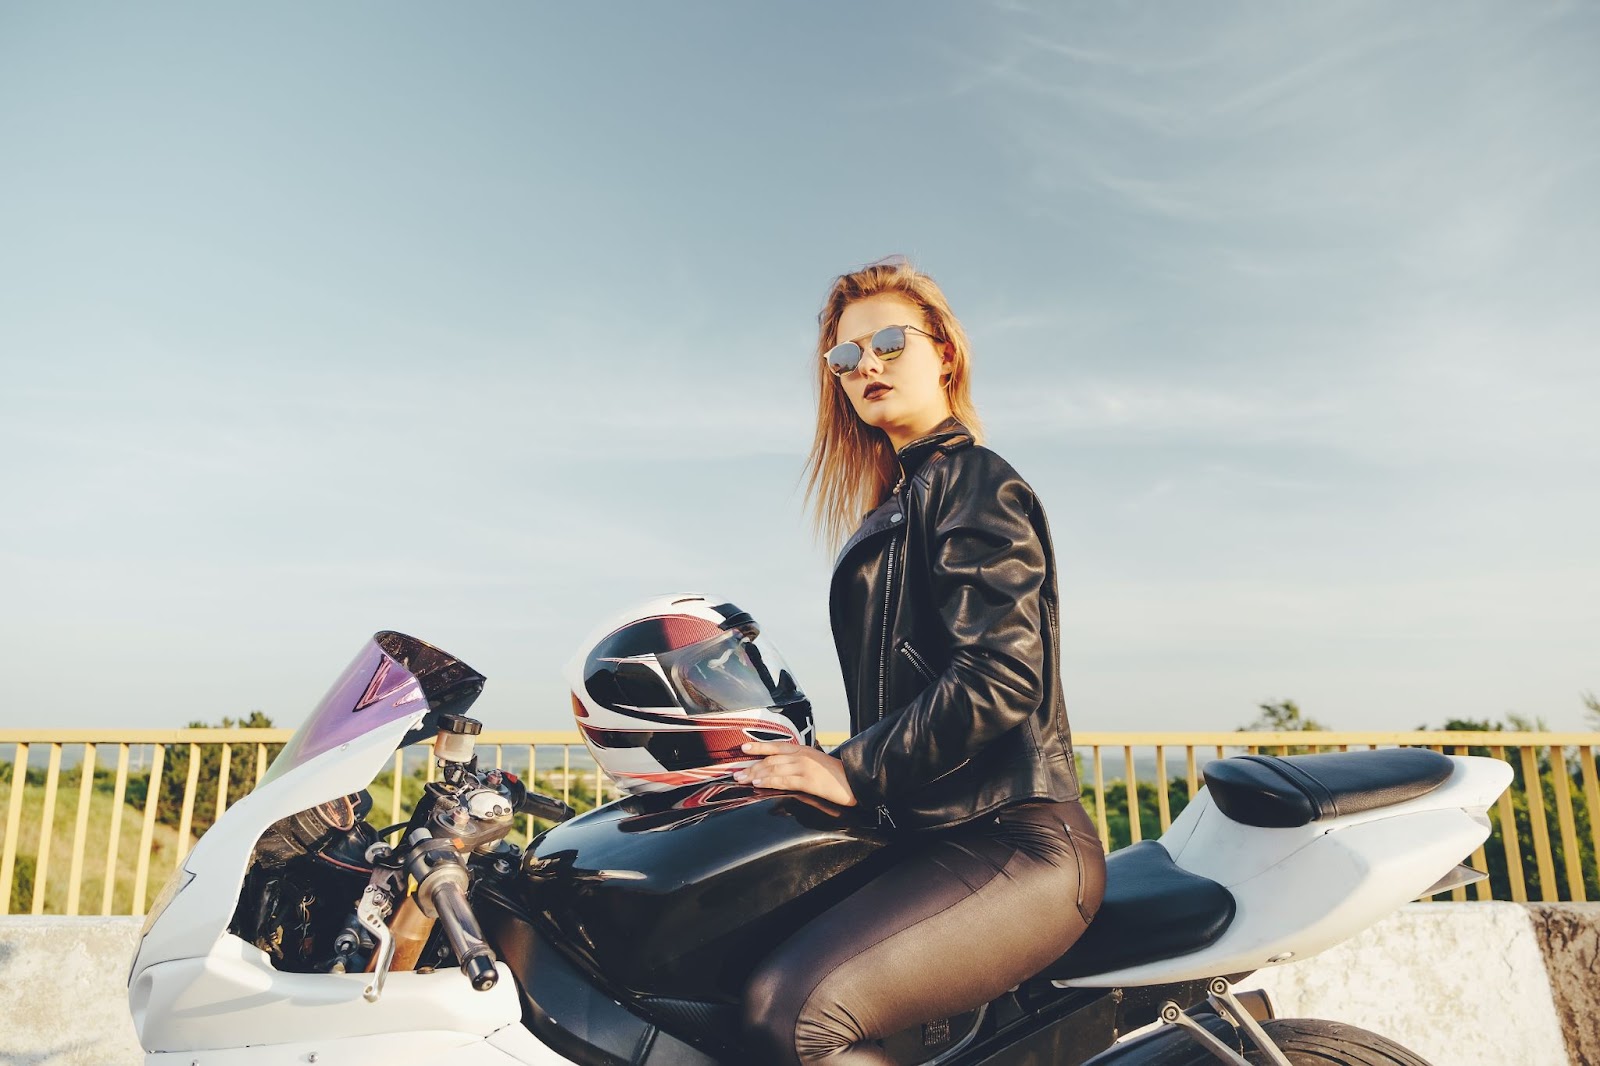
861, 350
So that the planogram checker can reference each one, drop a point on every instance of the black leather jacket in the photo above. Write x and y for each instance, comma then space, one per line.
944, 614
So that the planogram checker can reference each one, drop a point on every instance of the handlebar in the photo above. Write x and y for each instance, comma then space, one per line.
537, 803
441, 875
466, 937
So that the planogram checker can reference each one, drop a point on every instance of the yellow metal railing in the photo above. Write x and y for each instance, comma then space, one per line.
174, 783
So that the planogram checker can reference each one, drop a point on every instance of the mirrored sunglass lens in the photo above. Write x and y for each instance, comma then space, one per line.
843, 358
889, 342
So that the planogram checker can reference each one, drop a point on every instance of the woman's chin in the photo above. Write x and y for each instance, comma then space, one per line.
872, 413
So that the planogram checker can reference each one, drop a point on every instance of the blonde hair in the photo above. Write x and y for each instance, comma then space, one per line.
852, 467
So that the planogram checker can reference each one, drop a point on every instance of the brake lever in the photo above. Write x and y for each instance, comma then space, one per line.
373, 910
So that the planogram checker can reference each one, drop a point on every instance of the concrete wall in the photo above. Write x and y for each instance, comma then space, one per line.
63, 992
1462, 984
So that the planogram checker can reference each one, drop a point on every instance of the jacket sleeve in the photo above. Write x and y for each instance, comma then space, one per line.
987, 575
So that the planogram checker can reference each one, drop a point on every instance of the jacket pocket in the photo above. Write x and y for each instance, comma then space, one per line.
918, 663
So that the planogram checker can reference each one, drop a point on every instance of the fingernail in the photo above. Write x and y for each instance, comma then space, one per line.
744, 747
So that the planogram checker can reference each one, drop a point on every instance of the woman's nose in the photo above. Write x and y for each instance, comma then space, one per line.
869, 361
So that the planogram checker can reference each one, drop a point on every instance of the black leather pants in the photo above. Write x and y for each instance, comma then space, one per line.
966, 915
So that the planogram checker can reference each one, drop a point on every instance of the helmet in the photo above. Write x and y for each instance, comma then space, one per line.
666, 693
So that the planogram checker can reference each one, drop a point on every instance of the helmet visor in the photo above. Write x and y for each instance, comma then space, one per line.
730, 672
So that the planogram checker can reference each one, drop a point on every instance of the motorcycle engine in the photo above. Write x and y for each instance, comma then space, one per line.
317, 853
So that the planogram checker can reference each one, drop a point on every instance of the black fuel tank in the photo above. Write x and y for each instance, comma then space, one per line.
678, 894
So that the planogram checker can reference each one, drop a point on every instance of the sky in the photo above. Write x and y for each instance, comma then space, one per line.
484, 322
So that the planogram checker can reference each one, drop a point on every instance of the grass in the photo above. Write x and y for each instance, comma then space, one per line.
164, 851
96, 848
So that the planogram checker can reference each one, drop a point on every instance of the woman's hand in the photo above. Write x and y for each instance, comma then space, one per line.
797, 768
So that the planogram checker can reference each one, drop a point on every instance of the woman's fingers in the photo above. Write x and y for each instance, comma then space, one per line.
791, 782
768, 769
770, 747
798, 769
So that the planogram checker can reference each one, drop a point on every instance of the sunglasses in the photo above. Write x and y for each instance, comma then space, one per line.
887, 343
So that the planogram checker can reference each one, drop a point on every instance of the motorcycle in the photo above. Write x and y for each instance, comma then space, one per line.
295, 931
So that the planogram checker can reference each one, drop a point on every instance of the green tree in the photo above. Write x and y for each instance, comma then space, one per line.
1119, 833
1591, 705
1284, 716
1549, 776
241, 773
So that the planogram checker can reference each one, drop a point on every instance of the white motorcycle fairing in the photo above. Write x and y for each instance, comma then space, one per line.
1299, 891
195, 987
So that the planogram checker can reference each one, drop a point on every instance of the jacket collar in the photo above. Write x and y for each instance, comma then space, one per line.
947, 434
887, 515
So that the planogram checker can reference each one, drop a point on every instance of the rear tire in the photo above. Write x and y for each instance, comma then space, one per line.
1314, 1042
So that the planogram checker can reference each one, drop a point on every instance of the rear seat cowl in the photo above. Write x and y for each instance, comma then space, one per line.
1286, 791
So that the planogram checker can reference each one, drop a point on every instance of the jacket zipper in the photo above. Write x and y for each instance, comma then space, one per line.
919, 662
948, 772
1055, 652
883, 654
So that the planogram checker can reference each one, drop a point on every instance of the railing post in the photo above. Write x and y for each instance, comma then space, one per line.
399, 786
533, 776
1572, 858
118, 795
223, 766
1534, 790
1510, 838
1100, 799
81, 829
1591, 796
8, 850
1132, 792
186, 814
41, 871
152, 800
1163, 804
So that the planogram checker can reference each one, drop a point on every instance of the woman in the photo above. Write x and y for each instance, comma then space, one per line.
943, 605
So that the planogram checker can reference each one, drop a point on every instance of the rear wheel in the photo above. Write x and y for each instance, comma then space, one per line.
1314, 1042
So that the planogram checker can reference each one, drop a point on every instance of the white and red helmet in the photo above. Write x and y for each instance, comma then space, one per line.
665, 694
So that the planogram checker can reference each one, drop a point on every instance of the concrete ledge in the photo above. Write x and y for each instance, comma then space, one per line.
1569, 937
1462, 984
64, 986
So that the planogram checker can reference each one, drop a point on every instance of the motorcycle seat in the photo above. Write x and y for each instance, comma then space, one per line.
1284, 791
1153, 909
